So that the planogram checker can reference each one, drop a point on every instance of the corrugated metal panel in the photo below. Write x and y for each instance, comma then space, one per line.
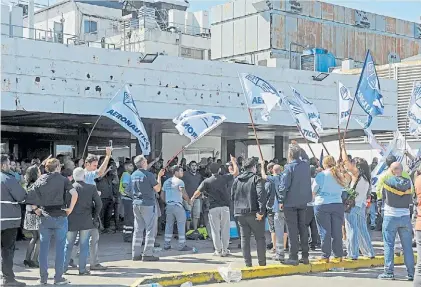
306, 7
278, 31
391, 25
216, 13
339, 14
380, 23
291, 30
263, 26
400, 30
351, 42
216, 43
327, 11
417, 30
340, 42
310, 33
239, 36
380, 47
390, 46
370, 42
251, 34
327, 37
349, 16
372, 20
278, 4
249, 7
315, 9
239, 8
227, 11
360, 45
228, 36
409, 29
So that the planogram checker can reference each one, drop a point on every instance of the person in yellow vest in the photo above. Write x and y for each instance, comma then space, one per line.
127, 202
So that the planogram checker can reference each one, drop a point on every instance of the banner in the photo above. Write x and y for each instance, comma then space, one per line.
345, 103
414, 110
310, 109
368, 91
259, 94
122, 109
371, 138
198, 124
301, 120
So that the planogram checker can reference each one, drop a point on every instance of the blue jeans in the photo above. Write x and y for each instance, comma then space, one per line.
402, 226
50, 226
84, 248
373, 214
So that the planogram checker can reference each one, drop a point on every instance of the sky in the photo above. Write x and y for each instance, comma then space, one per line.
402, 9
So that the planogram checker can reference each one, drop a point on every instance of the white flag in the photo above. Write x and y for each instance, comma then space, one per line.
371, 138
310, 109
414, 111
301, 119
196, 124
122, 109
345, 103
259, 94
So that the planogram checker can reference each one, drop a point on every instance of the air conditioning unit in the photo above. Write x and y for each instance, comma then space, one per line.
294, 6
361, 19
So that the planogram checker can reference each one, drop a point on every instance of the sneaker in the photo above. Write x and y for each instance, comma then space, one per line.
305, 261
167, 247
72, 264
13, 282
41, 282
291, 262
217, 253
61, 281
410, 277
386, 276
86, 272
269, 246
98, 267
313, 248
156, 244
137, 258
150, 258
226, 253
279, 258
186, 248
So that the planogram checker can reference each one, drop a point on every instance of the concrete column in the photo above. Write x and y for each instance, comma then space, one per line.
279, 147
81, 142
230, 149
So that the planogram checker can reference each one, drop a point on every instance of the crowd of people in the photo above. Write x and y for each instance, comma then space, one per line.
308, 204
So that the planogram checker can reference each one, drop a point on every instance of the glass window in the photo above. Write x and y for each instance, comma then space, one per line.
90, 26
64, 149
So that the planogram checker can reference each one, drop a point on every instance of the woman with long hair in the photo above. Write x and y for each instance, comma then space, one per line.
32, 221
328, 207
358, 237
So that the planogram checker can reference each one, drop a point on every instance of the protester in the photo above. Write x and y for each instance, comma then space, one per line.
192, 179
270, 213
249, 197
358, 237
310, 217
11, 194
417, 184
397, 197
32, 221
174, 192
216, 189
49, 192
81, 220
92, 172
294, 194
143, 188
127, 202
273, 183
328, 207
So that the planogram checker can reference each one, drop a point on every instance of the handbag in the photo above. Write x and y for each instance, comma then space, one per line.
349, 197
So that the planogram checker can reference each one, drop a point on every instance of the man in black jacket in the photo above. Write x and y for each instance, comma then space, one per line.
249, 197
11, 194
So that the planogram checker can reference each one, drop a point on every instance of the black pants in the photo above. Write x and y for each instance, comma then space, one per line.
106, 212
296, 221
8, 239
311, 222
249, 224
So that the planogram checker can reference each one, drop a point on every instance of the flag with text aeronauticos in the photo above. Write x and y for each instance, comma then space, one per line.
368, 91
259, 94
301, 120
122, 109
195, 124
414, 111
310, 109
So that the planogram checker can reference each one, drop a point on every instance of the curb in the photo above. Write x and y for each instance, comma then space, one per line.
212, 276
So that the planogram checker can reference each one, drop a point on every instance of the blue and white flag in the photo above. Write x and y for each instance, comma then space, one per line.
310, 109
301, 120
345, 103
368, 91
195, 124
122, 109
371, 138
259, 94
414, 111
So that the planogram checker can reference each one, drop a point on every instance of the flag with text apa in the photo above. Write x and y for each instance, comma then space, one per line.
414, 111
368, 91
301, 120
195, 124
310, 110
259, 94
122, 109
345, 103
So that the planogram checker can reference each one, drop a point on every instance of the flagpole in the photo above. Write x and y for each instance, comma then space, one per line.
323, 144
93, 127
308, 144
339, 125
251, 117
407, 116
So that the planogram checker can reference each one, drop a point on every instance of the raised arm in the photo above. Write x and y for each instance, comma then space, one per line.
103, 168
236, 170
158, 186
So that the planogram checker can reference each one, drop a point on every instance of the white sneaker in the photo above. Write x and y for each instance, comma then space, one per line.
225, 253
216, 253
